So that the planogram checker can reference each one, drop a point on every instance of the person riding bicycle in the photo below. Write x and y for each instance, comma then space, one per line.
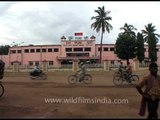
129, 71
82, 71
36, 70
2, 66
121, 68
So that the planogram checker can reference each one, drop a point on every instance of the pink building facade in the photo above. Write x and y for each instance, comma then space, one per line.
82, 48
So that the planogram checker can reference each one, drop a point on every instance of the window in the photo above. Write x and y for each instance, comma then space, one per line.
49, 49
68, 49
77, 54
112, 61
13, 51
26, 50
105, 49
87, 49
43, 50
55, 49
19, 51
38, 50
111, 49
51, 63
99, 49
77, 49
32, 50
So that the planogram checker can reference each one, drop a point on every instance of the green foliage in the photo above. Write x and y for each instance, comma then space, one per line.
152, 49
125, 47
4, 49
101, 24
140, 47
152, 39
128, 30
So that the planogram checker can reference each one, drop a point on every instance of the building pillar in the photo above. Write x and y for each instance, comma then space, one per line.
75, 65
135, 64
16, 66
44, 66
106, 65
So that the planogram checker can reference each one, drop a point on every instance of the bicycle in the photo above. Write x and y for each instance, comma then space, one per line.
1, 89
2, 66
120, 77
86, 78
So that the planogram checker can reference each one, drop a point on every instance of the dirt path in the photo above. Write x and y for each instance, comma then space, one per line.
55, 98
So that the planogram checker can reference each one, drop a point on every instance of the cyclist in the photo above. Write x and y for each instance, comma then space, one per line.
2, 66
129, 71
36, 70
82, 71
121, 67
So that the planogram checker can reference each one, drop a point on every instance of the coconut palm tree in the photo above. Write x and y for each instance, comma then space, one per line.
101, 24
151, 38
148, 32
128, 30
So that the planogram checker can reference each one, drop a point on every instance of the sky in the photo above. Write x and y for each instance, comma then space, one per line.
44, 23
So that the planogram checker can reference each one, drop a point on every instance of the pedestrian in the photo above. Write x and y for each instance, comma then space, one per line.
151, 94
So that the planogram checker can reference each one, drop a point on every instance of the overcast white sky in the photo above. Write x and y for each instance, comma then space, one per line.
45, 22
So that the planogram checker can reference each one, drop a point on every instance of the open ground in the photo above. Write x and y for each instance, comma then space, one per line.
26, 98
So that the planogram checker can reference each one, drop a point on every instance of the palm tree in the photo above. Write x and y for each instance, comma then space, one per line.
148, 32
101, 24
128, 30
151, 38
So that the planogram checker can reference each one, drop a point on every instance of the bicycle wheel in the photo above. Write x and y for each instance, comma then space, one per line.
117, 79
87, 79
1, 90
43, 76
72, 79
134, 79
116, 73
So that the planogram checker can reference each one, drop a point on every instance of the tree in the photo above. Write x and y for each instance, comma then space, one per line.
125, 47
101, 24
4, 49
126, 43
128, 30
140, 47
151, 38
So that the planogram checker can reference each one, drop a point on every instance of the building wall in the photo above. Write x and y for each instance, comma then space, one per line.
5, 58
78, 44
34, 56
107, 52
51, 55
